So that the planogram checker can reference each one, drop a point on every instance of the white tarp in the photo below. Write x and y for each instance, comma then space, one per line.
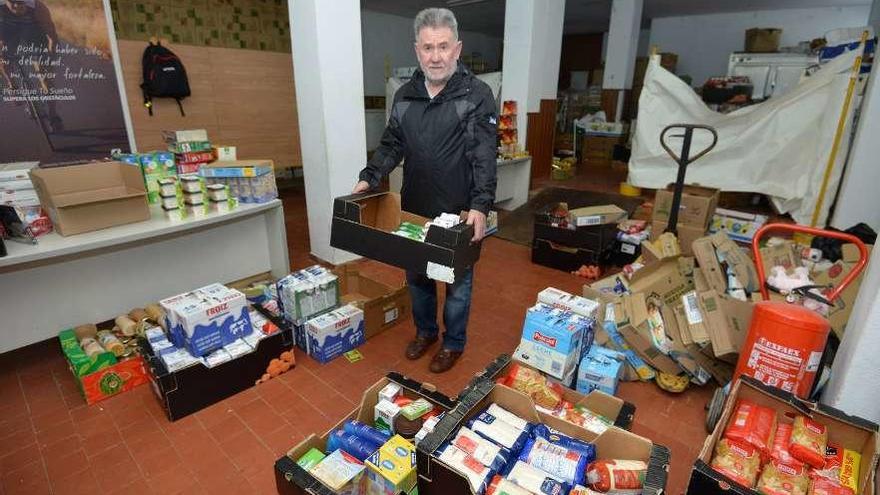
779, 147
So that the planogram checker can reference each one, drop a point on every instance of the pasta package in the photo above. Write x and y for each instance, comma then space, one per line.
501, 486
779, 478
616, 476
780, 452
533, 383
841, 467
808, 442
752, 424
738, 461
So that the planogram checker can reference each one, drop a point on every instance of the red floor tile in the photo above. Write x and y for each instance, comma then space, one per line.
29, 479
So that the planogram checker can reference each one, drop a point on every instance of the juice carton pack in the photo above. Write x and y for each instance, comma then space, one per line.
391, 470
207, 319
553, 340
307, 293
332, 334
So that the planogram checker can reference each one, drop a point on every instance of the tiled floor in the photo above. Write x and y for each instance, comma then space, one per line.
51, 442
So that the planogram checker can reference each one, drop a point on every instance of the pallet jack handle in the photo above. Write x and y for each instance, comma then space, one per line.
683, 161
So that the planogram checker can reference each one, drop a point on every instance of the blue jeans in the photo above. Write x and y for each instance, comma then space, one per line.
423, 292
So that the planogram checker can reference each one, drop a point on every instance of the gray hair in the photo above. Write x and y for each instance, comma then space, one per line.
435, 18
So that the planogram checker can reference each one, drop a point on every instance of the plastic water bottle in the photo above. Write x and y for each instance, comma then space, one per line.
366, 432
352, 444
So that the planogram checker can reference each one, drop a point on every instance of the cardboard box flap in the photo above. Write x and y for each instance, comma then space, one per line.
737, 259
78, 198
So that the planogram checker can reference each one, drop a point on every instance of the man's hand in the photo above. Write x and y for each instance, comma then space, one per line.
478, 220
362, 186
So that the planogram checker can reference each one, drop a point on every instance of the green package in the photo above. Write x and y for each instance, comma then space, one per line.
416, 409
310, 459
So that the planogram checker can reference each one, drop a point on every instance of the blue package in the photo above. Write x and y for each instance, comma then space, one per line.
566, 464
367, 432
353, 445
555, 437
498, 431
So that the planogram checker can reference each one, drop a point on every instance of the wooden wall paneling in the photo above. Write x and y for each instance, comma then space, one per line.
243, 98
541, 137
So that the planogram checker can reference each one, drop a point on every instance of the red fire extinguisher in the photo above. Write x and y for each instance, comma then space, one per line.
785, 341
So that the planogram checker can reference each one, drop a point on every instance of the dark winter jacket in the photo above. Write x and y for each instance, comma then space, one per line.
448, 144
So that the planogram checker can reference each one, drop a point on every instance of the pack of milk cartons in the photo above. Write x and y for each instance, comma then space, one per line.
553, 341
207, 318
332, 334
306, 293
569, 302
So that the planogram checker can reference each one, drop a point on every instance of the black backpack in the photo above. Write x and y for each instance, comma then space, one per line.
164, 76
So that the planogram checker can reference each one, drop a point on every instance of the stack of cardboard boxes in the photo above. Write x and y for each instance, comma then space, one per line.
694, 215
567, 238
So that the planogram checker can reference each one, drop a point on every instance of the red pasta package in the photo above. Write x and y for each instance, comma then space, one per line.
752, 424
808, 442
780, 451
616, 476
737, 460
823, 486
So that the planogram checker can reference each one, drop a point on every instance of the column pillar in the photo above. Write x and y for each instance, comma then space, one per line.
620, 59
329, 78
532, 49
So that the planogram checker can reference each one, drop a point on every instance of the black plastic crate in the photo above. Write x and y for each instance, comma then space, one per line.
562, 257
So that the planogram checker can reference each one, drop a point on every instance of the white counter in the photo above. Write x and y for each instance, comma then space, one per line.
65, 281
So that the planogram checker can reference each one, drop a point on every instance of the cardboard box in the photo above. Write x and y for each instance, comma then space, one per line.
391, 470
696, 210
196, 387
292, 479
763, 40
686, 235
738, 225
668, 280
364, 224
102, 376
708, 250
850, 432
727, 322
596, 215
839, 314
206, 319
332, 334
435, 478
383, 306
94, 196
691, 320
781, 254
601, 147
637, 334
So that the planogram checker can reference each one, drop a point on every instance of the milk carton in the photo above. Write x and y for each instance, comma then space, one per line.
332, 334
206, 319
600, 369
569, 302
307, 293
553, 341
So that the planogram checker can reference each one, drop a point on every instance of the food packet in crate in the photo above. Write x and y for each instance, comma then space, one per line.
533, 383
808, 441
841, 467
502, 486
823, 486
620, 477
752, 424
779, 451
737, 460
779, 478
562, 463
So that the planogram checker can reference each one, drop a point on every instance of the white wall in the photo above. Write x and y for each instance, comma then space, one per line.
855, 371
391, 36
874, 17
704, 42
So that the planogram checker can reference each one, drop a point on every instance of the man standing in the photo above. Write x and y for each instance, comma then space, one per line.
443, 123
